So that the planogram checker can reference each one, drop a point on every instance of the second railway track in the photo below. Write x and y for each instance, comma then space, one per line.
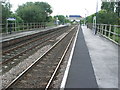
40, 73
11, 56
8, 53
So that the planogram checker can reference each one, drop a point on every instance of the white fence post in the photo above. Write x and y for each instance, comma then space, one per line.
102, 30
23, 26
114, 33
109, 31
105, 30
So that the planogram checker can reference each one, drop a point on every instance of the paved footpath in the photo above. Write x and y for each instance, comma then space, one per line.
104, 56
18, 34
94, 63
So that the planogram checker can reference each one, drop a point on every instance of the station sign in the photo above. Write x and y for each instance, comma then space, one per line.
11, 19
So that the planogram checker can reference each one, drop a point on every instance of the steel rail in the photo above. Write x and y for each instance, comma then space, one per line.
54, 73
23, 44
25, 71
5, 61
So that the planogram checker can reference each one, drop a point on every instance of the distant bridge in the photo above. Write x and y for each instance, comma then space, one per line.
75, 17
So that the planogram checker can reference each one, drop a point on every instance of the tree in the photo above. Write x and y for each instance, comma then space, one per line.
18, 19
107, 14
6, 11
89, 19
62, 19
107, 17
34, 12
109, 6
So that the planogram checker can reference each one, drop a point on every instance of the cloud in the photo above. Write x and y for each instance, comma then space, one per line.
65, 7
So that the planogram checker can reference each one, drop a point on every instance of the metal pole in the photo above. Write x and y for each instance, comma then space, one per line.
87, 14
109, 31
23, 26
96, 17
85, 19
15, 25
6, 26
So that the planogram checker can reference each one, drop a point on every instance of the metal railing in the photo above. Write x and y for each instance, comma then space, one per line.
12, 27
2, 27
111, 32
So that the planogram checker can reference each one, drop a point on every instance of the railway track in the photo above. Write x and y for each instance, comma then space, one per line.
33, 37
10, 51
11, 57
41, 73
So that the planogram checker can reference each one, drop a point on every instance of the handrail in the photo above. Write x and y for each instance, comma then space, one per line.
111, 32
12, 27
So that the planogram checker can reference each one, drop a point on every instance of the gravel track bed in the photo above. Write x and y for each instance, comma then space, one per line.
8, 66
37, 35
31, 43
58, 79
40, 73
14, 72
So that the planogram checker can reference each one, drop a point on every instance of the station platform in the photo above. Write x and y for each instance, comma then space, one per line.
93, 64
14, 35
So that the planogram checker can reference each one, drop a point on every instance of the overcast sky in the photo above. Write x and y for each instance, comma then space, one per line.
65, 7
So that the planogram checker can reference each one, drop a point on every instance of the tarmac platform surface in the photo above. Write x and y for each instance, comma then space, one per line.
104, 57
81, 74
94, 62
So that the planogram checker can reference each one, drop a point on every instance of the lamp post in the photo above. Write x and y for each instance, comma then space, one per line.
87, 14
8, 3
85, 19
96, 17
87, 11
